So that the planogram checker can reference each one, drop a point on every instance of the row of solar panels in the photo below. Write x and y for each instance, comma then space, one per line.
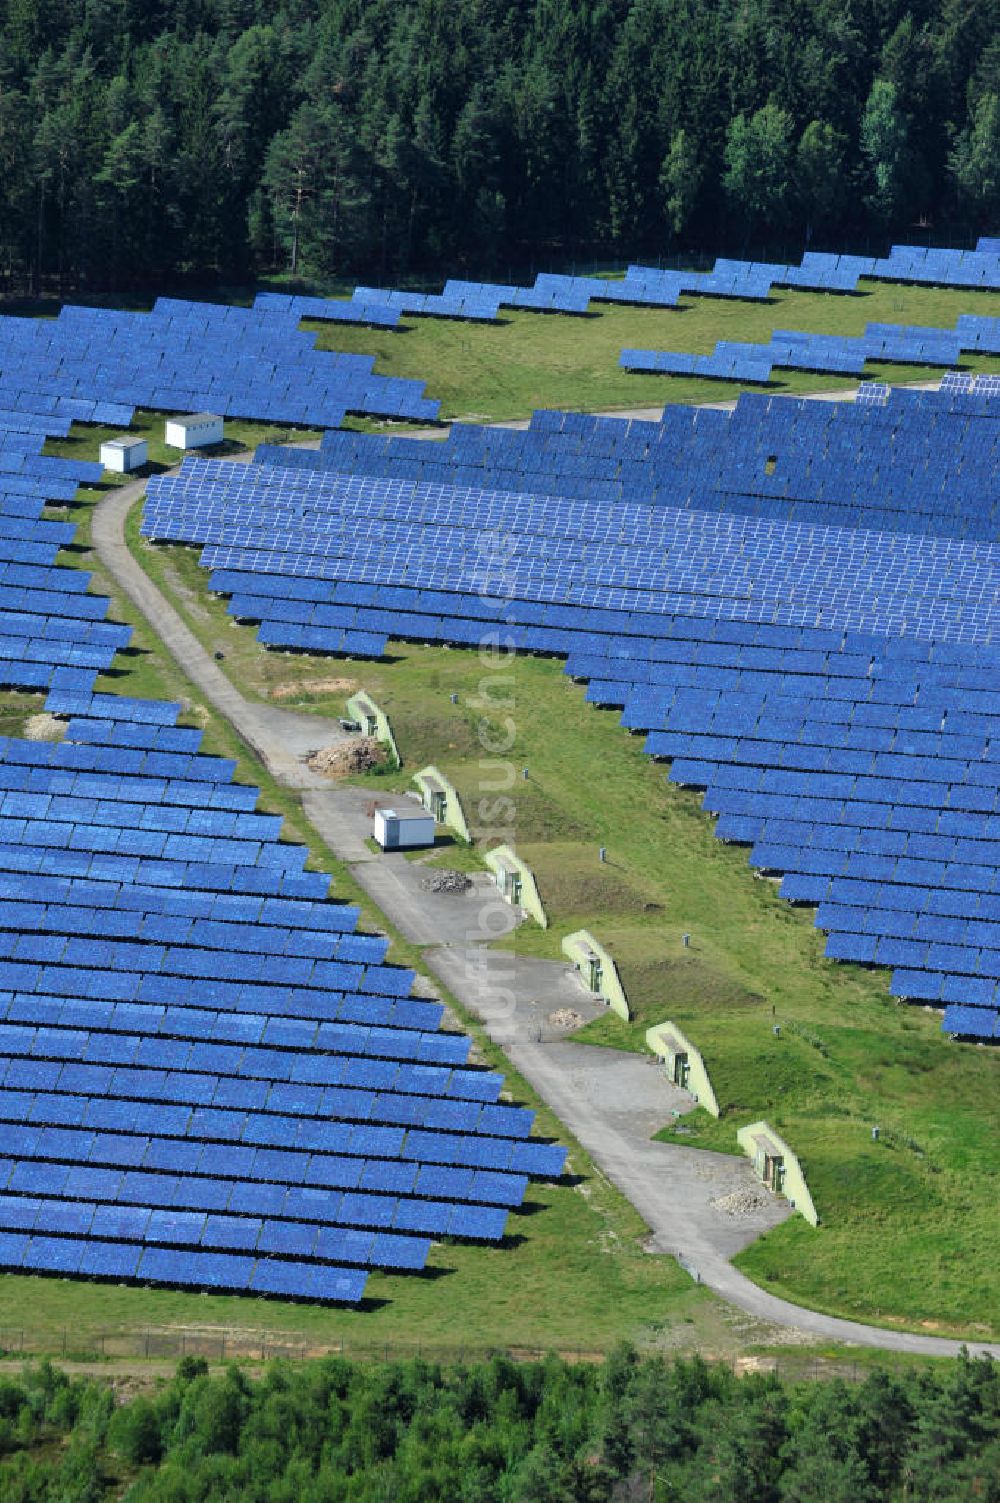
914, 465
251, 1045
178, 1105
222, 1272
371, 1092
67, 1130
636, 637
946, 573
209, 876
121, 1196
774, 570
221, 908
835, 353
194, 1229
239, 1232
150, 925
648, 286
57, 1026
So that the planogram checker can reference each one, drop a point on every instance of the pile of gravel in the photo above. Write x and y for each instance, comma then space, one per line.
565, 1017
446, 881
742, 1203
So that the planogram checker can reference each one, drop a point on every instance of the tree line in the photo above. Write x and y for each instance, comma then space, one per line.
635, 1430
143, 142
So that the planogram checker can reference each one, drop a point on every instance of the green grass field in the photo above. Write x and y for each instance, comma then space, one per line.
493, 372
570, 1277
908, 1223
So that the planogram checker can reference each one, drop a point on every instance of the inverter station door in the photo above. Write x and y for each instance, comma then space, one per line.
774, 1172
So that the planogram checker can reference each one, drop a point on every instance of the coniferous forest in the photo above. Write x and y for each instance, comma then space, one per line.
147, 143
631, 1431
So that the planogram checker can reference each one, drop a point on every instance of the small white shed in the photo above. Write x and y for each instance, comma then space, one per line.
403, 829
195, 431
124, 454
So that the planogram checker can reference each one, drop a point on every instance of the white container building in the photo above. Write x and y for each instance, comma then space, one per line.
403, 829
124, 454
196, 431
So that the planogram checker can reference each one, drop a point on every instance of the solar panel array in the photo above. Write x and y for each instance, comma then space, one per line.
99, 364
797, 602
649, 286
834, 353
933, 462
208, 1077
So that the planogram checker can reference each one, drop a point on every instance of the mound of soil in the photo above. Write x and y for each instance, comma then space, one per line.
347, 758
566, 1017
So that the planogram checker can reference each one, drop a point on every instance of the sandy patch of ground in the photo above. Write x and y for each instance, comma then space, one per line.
296, 688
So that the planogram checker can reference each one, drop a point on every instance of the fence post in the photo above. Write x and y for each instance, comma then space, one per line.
146, 1345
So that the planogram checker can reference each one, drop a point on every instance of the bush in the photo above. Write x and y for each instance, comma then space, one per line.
135, 1433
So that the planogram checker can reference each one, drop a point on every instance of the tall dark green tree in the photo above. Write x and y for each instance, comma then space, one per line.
884, 140
759, 169
214, 139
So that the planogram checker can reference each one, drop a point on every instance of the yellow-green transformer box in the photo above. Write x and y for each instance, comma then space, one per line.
373, 721
440, 798
516, 882
684, 1063
599, 972
777, 1167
